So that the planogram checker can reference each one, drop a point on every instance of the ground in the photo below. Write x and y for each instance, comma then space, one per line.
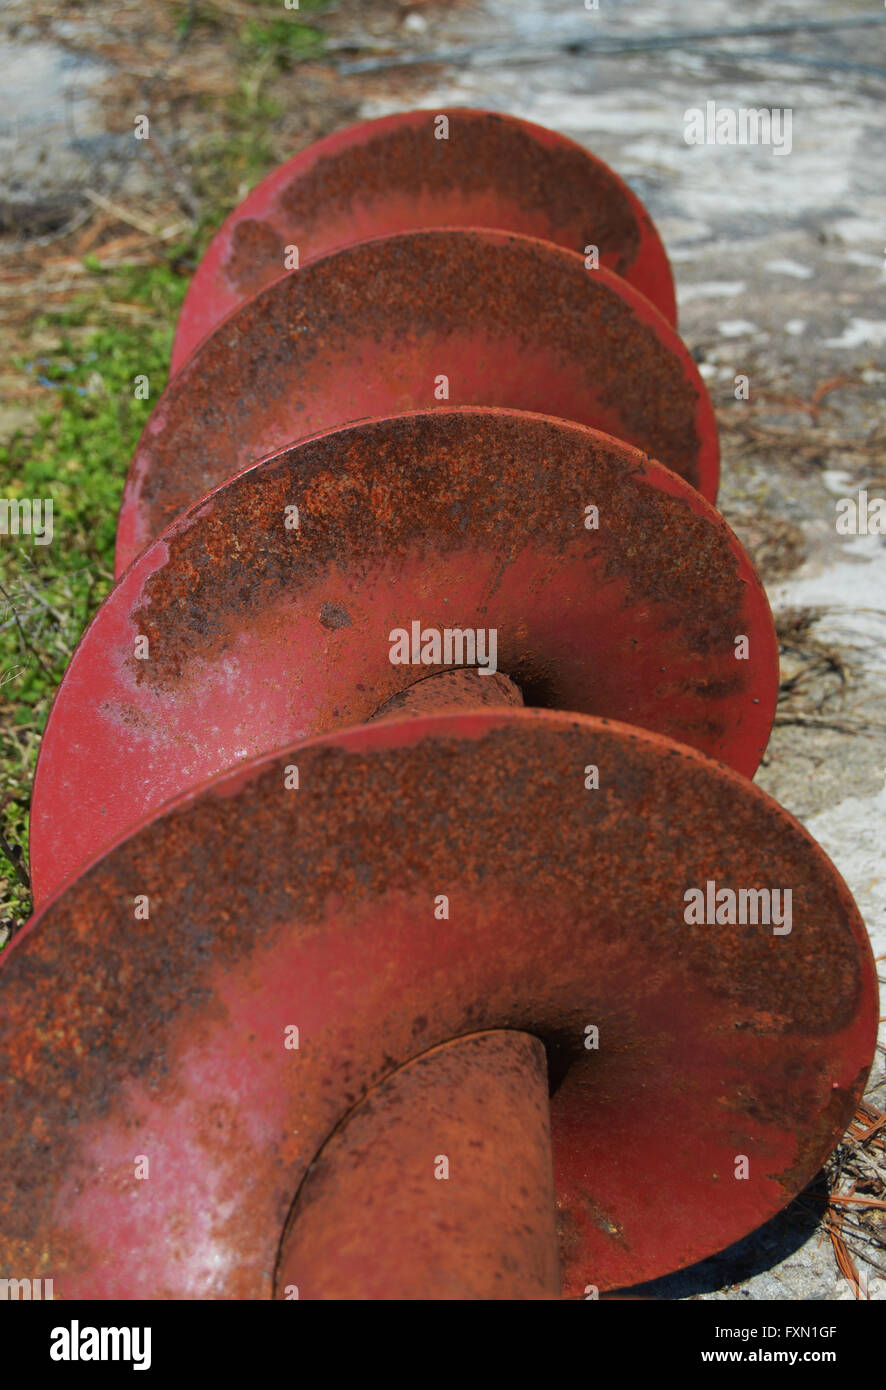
779, 262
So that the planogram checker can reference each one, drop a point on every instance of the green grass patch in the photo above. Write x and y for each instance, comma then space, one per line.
77, 453
76, 448
285, 40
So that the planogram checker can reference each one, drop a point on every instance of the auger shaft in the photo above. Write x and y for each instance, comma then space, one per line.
439, 1185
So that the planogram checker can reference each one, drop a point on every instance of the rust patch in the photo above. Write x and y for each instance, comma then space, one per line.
563, 902
333, 616
348, 336
382, 489
833, 1120
605, 1221
558, 187
457, 519
393, 175
256, 255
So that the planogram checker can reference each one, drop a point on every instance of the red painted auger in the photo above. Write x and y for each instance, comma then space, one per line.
353, 976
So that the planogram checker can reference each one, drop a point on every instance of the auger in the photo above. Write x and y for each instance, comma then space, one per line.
355, 977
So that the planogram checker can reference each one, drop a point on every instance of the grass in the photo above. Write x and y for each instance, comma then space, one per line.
284, 41
77, 453
76, 444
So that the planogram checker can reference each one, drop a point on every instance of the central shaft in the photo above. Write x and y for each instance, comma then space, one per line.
438, 1185
451, 692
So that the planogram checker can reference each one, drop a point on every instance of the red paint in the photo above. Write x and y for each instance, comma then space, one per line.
393, 175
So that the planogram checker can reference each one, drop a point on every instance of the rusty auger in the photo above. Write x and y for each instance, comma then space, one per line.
361, 970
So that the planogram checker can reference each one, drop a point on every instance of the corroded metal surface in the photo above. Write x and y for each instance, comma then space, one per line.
390, 325
395, 174
439, 1185
168, 1039
253, 635
451, 691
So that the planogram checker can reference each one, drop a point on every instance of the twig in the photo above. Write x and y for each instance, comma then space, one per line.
808, 722
863, 1255
131, 219
837, 1200
866, 1133
833, 1224
14, 855
187, 202
24, 636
